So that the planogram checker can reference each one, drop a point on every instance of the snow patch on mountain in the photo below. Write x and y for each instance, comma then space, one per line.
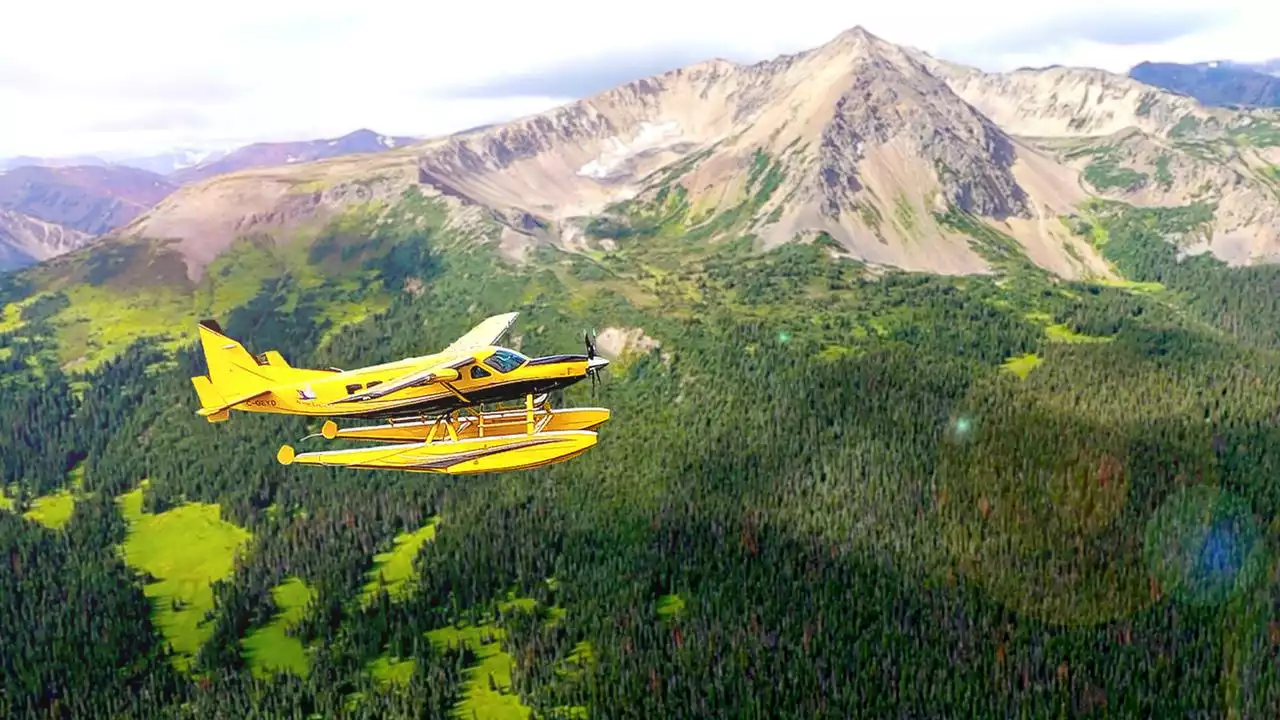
651, 136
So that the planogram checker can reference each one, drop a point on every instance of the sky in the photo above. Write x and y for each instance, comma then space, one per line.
143, 76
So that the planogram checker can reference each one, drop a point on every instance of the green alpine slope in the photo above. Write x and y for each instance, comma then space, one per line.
824, 492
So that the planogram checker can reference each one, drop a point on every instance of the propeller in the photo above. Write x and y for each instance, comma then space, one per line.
592, 369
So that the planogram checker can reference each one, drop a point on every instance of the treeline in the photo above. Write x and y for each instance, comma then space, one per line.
76, 629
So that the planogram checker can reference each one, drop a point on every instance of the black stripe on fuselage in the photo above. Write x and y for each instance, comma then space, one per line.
491, 394
552, 359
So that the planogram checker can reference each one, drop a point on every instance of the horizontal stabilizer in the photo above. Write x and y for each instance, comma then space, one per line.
228, 403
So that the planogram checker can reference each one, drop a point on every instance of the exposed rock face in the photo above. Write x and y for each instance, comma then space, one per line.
25, 240
90, 199
873, 145
615, 342
860, 128
1137, 168
207, 217
973, 158
1069, 102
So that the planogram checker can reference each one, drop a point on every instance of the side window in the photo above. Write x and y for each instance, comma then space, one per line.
352, 388
504, 361
478, 372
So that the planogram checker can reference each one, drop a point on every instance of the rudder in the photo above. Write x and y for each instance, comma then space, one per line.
234, 374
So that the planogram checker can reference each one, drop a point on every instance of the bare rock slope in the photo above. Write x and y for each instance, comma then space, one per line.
1143, 145
90, 199
857, 139
25, 240
892, 156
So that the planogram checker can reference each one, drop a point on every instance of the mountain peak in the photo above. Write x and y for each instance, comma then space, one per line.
858, 33
859, 44
860, 40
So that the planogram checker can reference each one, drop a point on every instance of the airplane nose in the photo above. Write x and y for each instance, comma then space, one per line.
597, 363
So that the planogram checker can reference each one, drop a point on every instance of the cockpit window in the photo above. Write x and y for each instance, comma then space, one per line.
504, 361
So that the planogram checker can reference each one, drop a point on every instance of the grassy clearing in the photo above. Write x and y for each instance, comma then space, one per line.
1131, 285
1021, 365
582, 656
53, 511
186, 549
1064, 334
394, 568
1106, 173
102, 321
391, 671
1259, 134
669, 606
10, 317
75, 478
478, 699
236, 276
269, 648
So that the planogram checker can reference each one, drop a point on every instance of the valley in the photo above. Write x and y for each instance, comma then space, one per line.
910, 362
51, 206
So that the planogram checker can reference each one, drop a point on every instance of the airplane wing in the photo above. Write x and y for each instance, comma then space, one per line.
486, 333
425, 376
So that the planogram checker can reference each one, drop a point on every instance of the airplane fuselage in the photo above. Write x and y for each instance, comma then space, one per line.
488, 375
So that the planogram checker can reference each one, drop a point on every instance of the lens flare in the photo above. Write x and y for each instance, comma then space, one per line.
961, 428
1203, 545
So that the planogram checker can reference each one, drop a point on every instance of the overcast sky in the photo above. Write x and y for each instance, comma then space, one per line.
88, 76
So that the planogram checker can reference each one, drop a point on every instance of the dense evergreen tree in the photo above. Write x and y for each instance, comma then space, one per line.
819, 497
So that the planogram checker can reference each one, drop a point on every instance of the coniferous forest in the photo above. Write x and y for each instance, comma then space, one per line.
824, 493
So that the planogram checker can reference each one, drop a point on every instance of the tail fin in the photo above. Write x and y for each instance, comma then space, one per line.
234, 375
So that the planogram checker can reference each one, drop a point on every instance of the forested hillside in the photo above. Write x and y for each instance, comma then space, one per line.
828, 491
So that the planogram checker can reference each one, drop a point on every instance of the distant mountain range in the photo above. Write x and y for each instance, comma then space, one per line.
160, 163
10, 163
1220, 82
879, 151
287, 153
51, 205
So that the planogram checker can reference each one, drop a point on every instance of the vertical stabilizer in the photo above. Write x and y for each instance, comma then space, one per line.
234, 375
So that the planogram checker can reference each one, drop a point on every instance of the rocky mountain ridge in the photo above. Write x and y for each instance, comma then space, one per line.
874, 146
1214, 83
266, 154
89, 199
25, 240
89, 195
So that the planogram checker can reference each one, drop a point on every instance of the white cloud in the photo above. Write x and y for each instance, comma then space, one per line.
146, 75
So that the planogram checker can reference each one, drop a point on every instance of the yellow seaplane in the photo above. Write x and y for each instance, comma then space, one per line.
433, 406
